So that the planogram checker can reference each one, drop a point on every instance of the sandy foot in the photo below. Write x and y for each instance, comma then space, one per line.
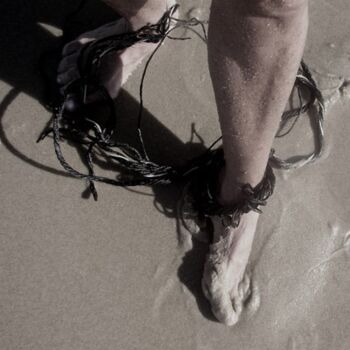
225, 282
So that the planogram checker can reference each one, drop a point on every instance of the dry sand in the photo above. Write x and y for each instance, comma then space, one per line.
75, 274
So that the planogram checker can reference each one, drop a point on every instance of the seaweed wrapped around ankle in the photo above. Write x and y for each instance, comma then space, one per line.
206, 202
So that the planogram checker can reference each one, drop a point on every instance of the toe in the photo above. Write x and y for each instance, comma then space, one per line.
237, 305
222, 308
220, 300
205, 289
244, 288
67, 76
67, 62
71, 47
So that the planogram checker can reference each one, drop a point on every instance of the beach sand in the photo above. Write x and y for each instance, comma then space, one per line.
78, 274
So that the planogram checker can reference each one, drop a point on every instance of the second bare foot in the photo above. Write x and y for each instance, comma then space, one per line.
115, 68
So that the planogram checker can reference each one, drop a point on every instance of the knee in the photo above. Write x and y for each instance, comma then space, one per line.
274, 8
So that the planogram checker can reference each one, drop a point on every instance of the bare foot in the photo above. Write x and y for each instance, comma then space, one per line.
225, 282
116, 67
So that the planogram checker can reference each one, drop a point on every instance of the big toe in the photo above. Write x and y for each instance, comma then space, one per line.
220, 301
222, 308
244, 287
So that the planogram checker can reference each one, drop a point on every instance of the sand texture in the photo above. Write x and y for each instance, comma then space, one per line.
82, 275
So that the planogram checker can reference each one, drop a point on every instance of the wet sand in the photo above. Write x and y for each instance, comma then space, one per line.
75, 274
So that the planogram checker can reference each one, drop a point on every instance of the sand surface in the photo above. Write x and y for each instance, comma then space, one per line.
75, 274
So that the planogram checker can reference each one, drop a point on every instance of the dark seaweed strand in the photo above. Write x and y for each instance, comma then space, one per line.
144, 171
305, 79
203, 190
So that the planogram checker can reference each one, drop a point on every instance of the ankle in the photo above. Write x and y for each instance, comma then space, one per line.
230, 184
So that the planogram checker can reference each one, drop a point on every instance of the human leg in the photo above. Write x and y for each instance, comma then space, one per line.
254, 51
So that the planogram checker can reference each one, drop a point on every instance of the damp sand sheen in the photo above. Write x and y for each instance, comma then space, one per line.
112, 275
